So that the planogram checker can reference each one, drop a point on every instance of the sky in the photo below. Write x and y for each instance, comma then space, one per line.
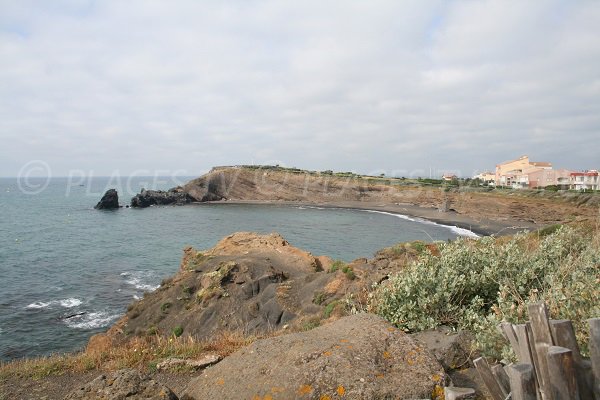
405, 88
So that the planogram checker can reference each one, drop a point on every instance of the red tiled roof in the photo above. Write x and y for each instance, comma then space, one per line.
584, 173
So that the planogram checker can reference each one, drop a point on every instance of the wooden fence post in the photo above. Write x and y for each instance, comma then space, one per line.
522, 381
561, 368
488, 378
563, 334
540, 328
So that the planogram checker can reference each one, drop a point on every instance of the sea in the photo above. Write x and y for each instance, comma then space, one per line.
68, 271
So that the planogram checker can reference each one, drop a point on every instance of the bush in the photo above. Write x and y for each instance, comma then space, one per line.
477, 284
178, 331
338, 264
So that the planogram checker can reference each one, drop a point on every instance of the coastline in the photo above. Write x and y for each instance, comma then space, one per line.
449, 219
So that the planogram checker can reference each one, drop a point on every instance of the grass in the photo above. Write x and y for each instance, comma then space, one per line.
142, 353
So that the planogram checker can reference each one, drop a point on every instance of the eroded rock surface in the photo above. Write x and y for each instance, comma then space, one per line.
124, 384
356, 357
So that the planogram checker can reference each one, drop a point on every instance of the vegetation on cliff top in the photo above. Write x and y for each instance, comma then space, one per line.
476, 284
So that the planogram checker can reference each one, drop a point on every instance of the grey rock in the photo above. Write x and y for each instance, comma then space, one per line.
452, 349
357, 357
109, 201
127, 384
173, 363
147, 198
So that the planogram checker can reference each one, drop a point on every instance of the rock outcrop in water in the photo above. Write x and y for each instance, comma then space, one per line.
109, 201
147, 198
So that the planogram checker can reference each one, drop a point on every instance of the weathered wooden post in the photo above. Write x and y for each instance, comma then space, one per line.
522, 381
540, 328
563, 334
561, 369
488, 378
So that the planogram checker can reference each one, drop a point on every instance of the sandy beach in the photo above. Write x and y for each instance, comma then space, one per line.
479, 226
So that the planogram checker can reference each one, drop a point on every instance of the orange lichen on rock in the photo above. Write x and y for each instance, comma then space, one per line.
305, 389
341, 390
220, 381
386, 354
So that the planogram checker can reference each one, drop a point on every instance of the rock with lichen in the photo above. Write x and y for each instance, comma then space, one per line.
357, 357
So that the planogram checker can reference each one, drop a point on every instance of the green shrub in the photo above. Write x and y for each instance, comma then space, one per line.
337, 264
178, 331
164, 307
319, 298
477, 284
329, 309
349, 272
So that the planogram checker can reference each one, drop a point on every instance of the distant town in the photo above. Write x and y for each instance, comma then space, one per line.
525, 174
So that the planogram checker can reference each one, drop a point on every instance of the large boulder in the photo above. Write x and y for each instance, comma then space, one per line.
124, 384
357, 357
147, 198
109, 201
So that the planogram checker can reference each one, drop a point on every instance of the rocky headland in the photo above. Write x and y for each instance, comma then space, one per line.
483, 210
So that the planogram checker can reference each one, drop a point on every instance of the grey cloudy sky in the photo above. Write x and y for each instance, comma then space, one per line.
390, 86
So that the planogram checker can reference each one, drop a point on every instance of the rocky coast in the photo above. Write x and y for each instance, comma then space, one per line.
255, 317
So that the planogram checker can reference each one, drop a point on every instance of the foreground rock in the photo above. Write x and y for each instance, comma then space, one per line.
147, 198
124, 384
109, 201
247, 282
357, 357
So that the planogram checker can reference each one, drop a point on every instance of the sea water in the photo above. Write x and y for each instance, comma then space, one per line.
68, 271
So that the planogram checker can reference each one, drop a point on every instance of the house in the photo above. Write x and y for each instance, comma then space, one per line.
486, 177
515, 173
449, 177
587, 180
542, 177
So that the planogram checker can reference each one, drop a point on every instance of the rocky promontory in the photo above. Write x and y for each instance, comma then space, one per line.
147, 198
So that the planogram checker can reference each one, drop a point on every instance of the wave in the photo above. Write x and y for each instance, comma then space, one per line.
66, 303
70, 302
459, 231
92, 320
138, 279
38, 304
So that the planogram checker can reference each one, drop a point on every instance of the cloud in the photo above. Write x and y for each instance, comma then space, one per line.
359, 86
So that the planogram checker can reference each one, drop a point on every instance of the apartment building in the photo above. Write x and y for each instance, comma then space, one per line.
587, 180
515, 173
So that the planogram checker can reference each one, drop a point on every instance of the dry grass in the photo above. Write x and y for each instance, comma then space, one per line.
142, 353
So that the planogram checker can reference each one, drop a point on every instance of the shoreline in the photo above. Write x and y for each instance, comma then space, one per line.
450, 219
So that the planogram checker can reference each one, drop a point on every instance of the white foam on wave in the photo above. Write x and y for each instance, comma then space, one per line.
92, 320
137, 280
66, 303
70, 302
38, 304
459, 231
